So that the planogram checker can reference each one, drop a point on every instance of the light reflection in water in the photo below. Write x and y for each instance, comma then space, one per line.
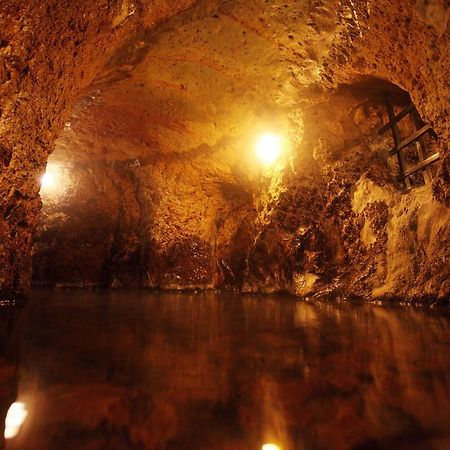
15, 417
270, 447
163, 372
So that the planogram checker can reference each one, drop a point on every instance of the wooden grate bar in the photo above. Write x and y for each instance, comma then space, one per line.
422, 164
419, 133
421, 147
397, 119
397, 138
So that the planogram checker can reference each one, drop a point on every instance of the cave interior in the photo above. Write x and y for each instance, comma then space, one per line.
293, 150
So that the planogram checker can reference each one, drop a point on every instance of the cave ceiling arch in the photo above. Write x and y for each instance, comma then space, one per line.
206, 79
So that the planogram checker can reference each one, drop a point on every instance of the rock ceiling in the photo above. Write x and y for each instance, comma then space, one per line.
207, 80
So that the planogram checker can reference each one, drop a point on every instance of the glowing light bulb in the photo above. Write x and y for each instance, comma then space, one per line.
268, 149
47, 180
270, 447
15, 417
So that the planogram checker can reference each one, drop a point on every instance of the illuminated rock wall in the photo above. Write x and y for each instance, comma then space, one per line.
160, 186
48, 52
338, 223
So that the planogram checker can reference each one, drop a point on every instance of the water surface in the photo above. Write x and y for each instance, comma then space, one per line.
146, 371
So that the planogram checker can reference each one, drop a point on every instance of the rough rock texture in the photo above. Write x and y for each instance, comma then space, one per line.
48, 52
406, 43
157, 182
345, 226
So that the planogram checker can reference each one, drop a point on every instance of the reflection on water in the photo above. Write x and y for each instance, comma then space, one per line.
15, 417
271, 446
135, 370
10, 321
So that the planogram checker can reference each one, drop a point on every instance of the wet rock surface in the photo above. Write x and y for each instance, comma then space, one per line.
159, 186
49, 51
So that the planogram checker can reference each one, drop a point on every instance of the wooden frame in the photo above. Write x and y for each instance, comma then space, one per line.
400, 145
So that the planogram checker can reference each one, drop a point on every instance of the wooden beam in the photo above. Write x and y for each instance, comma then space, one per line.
396, 119
394, 150
420, 145
421, 165
397, 138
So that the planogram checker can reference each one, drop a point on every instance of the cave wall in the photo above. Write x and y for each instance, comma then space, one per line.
339, 223
160, 223
390, 243
89, 228
406, 43
49, 51
162, 189
332, 220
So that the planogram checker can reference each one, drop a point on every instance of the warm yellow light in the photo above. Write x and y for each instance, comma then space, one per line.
268, 149
17, 413
48, 179
270, 447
